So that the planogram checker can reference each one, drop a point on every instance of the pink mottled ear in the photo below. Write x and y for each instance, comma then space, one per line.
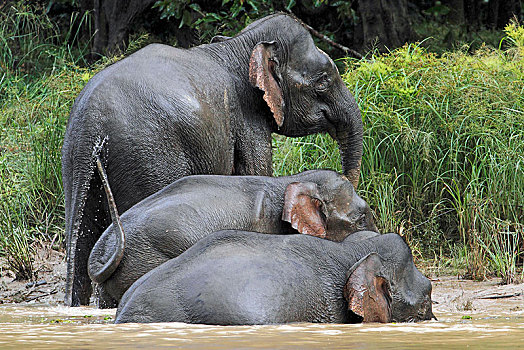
303, 209
261, 74
368, 294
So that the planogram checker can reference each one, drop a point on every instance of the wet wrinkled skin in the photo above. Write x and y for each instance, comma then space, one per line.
317, 202
169, 113
242, 278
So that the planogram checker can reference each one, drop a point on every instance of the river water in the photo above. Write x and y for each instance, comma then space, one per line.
39, 326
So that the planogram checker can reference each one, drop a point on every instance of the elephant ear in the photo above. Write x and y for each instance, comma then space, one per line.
262, 75
303, 209
368, 294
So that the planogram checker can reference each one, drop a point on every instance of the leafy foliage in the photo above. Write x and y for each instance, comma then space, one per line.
515, 34
228, 17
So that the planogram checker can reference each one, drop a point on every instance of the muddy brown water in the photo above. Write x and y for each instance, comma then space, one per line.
466, 318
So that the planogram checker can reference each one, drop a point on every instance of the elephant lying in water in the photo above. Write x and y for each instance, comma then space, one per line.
171, 113
245, 278
162, 226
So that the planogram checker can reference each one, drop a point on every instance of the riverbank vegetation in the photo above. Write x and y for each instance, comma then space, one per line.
443, 160
443, 142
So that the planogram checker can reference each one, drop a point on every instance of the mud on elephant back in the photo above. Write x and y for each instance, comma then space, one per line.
170, 113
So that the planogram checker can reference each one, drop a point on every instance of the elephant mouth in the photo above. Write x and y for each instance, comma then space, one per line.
410, 313
330, 126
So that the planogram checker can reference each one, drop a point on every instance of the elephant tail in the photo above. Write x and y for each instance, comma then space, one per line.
106, 270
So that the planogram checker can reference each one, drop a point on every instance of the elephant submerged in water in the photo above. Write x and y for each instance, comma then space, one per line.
211, 109
162, 226
245, 278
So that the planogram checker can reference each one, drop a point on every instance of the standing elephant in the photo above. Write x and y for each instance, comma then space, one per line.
170, 113
245, 278
318, 202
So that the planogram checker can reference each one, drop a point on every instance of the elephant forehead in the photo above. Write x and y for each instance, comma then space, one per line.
342, 192
357, 202
306, 57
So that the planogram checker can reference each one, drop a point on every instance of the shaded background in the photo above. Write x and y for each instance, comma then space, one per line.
358, 24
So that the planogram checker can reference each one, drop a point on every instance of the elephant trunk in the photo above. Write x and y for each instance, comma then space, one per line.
349, 137
104, 272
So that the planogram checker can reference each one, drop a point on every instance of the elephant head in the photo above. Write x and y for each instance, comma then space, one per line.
375, 294
332, 210
305, 92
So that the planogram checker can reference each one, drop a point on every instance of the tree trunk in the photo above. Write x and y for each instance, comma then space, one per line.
86, 5
472, 14
456, 11
501, 11
385, 21
507, 10
112, 19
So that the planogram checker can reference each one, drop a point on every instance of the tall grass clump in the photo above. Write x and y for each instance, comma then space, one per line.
443, 159
39, 79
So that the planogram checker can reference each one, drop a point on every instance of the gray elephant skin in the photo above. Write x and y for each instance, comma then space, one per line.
245, 278
171, 112
162, 226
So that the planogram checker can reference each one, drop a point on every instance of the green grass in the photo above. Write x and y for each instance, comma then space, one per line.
39, 79
443, 160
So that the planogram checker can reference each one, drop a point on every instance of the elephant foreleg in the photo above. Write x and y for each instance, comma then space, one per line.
253, 155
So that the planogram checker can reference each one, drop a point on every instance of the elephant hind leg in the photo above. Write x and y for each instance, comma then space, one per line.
89, 221
104, 299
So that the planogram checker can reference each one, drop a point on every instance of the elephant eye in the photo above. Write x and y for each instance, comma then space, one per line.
362, 221
323, 83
